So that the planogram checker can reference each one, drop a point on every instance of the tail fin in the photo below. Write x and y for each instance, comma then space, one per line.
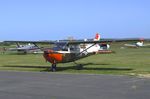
97, 37
141, 40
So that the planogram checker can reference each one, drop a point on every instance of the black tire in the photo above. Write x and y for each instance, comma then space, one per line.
79, 67
53, 69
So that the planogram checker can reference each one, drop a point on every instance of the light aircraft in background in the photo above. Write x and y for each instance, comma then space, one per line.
28, 48
137, 44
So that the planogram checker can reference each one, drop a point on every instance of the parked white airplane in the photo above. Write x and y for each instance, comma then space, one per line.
138, 44
29, 48
96, 47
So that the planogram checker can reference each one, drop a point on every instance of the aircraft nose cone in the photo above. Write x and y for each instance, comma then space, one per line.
52, 56
46, 54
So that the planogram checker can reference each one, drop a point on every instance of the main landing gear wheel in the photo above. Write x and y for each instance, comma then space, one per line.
79, 66
53, 68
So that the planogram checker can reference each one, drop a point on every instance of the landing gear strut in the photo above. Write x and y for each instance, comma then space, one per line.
53, 67
79, 67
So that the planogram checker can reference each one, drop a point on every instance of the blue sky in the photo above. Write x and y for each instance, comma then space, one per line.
59, 19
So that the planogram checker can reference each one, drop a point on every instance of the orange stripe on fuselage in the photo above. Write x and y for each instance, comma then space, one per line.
53, 57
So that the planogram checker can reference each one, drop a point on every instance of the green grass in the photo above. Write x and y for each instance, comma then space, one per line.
125, 61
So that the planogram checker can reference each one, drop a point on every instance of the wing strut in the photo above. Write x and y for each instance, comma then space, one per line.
79, 66
86, 49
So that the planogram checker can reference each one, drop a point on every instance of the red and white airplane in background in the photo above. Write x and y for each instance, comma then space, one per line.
138, 44
96, 47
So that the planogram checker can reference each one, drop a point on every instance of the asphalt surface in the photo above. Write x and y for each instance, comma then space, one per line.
33, 85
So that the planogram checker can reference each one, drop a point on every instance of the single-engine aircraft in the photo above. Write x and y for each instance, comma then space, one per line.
71, 51
137, 44
28, 48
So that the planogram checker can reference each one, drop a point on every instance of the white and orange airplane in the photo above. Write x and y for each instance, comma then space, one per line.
71, 51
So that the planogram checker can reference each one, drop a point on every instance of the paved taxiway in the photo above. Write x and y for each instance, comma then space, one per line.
33, 85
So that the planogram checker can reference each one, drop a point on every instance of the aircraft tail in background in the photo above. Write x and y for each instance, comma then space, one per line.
97, 37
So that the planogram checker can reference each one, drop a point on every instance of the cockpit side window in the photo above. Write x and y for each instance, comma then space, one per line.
72, 48
64, 48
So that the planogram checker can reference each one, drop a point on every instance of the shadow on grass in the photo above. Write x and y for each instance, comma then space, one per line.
17, 66
83, 67
74, 67
93, 68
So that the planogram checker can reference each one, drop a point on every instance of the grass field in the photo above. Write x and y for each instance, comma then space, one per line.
125, 61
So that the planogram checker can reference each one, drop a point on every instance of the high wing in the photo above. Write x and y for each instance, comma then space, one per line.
66, 43
54, 42
89, 42
46, 42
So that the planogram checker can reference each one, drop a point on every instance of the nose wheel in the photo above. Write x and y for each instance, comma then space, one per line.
53, 67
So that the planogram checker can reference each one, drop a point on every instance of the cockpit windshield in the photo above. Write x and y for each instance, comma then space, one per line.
60, 46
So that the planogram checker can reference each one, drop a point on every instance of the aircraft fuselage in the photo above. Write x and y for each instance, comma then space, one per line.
63, 56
